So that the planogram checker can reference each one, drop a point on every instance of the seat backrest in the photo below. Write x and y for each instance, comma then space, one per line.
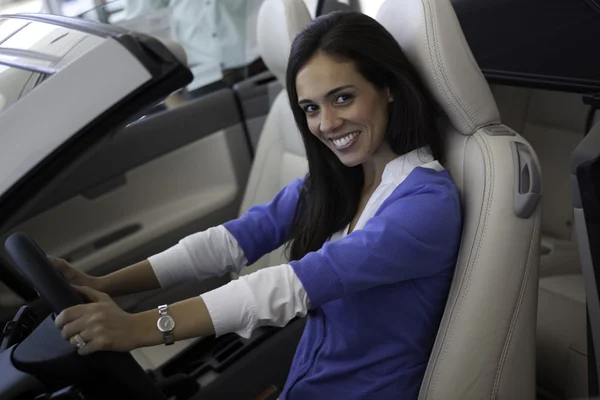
280, 156
485, 347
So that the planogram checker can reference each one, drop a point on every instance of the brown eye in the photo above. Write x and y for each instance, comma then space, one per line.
311, 108
343, 98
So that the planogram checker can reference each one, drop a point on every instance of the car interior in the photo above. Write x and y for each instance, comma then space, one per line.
515, 325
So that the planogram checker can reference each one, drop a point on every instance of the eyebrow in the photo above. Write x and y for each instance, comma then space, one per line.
331, 92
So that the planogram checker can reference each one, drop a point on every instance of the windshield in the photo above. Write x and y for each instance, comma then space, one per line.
16, 83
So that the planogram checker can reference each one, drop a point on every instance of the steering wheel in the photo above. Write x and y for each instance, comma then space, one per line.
47, 356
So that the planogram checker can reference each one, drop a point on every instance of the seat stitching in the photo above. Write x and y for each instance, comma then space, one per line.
472, 259
516, 312
441, 72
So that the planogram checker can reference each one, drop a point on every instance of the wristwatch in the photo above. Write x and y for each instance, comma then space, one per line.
165, 324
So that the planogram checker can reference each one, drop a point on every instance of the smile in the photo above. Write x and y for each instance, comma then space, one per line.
345, 141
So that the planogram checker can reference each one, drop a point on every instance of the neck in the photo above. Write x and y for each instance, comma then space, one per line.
373, 168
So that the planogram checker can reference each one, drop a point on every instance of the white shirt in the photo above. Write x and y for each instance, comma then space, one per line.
270, 296
215, 34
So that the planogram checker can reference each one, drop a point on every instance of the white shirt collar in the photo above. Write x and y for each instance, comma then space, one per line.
399, 168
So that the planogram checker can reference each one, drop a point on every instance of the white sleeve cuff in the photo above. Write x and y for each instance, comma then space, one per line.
171, 266
270, 296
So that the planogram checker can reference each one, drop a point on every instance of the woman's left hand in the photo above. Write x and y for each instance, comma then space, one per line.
102, 324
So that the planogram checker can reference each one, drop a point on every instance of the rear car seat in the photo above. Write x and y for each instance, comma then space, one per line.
554, 124
280, 156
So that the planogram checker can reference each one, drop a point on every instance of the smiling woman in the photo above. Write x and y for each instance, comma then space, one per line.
351, 118
366, 265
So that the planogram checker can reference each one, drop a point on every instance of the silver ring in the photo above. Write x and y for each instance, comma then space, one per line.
79, 342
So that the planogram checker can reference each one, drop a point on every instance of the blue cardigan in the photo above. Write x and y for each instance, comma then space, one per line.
377, 295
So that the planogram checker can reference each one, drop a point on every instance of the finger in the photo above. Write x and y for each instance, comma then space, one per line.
94, 345
91, 294
73, 328
69, 315
87, 338
88, 349
57, 262
61, 265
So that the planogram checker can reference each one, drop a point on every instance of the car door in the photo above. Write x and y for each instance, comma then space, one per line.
161, 178
176, 170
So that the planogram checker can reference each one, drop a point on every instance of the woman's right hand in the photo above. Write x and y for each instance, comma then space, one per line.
74, 275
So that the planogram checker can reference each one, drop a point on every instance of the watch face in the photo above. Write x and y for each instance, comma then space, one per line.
165, 323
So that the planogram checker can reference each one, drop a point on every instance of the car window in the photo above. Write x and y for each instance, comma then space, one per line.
17, 6
219, 37
16, 83
21, 70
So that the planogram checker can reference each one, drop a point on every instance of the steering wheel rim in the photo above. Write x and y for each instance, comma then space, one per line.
31, 260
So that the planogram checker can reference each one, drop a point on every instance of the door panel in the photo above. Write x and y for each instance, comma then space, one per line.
146, 139
154, 198
158, 180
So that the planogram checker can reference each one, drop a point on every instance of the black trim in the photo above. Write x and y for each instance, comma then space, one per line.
320, 6
240, 110
589, 120
16, 282
541, 81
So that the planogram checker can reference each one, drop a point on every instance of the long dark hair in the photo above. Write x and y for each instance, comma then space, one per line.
331, 192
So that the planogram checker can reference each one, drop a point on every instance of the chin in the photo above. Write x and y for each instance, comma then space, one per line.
350, 160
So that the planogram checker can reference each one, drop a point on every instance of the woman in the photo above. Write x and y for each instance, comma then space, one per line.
372, 232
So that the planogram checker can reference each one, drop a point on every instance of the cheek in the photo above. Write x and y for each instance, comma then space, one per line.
380, 122
313, 127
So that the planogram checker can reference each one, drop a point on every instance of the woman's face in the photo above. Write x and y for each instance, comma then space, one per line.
344, 110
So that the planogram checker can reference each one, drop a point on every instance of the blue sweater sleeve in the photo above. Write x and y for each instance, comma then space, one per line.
265, 227
416, 235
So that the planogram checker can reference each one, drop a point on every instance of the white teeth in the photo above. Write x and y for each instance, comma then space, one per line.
341, 142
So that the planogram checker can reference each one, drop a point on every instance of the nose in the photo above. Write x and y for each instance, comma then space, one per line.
330, 120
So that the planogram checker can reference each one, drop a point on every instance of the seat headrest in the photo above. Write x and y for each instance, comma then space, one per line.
279, 21
430, 35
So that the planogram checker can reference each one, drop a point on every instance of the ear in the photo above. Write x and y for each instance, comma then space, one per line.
390, 95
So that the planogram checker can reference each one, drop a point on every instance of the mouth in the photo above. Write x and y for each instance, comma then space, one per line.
346, 141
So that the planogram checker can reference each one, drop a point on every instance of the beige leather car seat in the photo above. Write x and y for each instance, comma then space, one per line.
280, 156
485, 348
